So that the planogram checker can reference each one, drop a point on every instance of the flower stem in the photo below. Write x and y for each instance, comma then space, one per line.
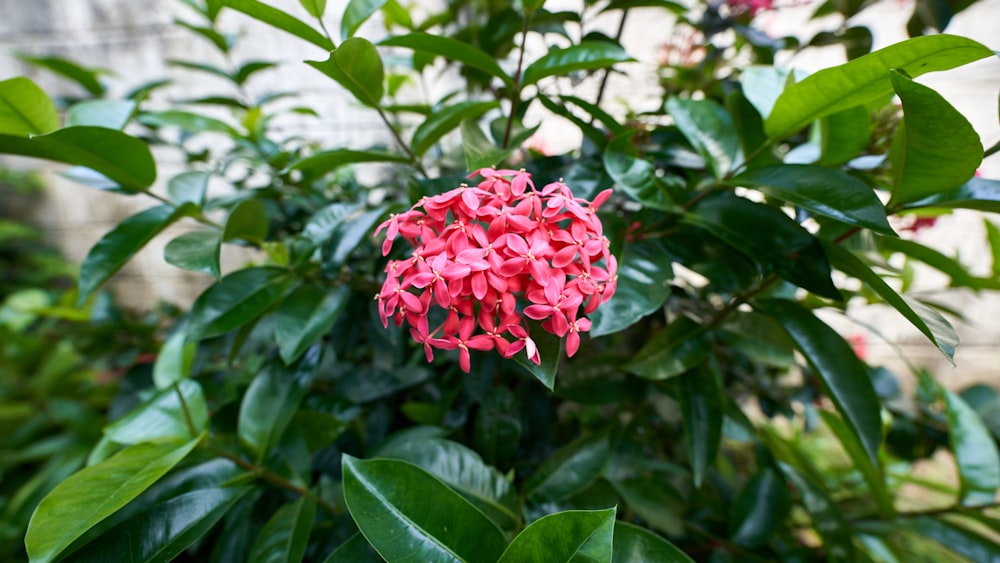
515, 94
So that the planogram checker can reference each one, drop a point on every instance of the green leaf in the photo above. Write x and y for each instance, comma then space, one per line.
671, 351
633, 544
960, 276
573, 536
655, 500
249, 69
993, 237
323, 162
701, 398
235, 300
977, 193
305, 316
866, 79
451, 49
222, 42
197, 251
570, 469
247, 221
316, 8
843, 376
958, 539
644, 272
844, 135
95, 492
357, 66
187, 121
928, 321
355, 549
165, 530
823, 191
760, 509
709, 129
124, 159
462, 469
286, 534
355, 14
281, 20
763, 85
636, 176
549, 350
122, 243
586, 55
826, 516
174, 361
112, 114
87, 78
404, 512
271, 401
480, 152
163, 416
975, 452
188, 187
444, 120
760, 337
348, 234
936, 150
870, 471
778, 243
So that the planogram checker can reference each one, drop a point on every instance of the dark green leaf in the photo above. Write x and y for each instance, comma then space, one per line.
405, 512
163, 532
866, 79
112, 114
778, 243
633, 544
586, 55
590, 131
870, 471
549, 350
653, 498
355, 14
237, 299
975, 452
451, 49
281, 20
843, 376
760, 337
316, 8
636, 176
823, 191
248, 221
977, 193
249, 69
575, 536
305, 316
197, 251
935, 327
202, 67
936, 150
285, 536
709, 129
956, 538
826, 516
95, 492
570, 469
348, 234
163, 416
355, 550
124, 159
701, 399
122, 243
597, 114
644, 274
85, 77
327, 161
671, 351
444, 120
187, 121
357, 66
749, 128
760, 509
271, 401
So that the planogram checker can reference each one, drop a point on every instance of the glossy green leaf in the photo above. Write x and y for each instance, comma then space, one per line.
445, 120
285, 536
355, 549
936, 149
702, 409
779, 244
163, 532
188, 187
975, 452
586, 55
971, 545
163, 416
247, 221
236, 300
844, 135
749, 128
866, 79
655, 500
590, 131
928, 321
709, 129
480, 152
305, 316
644, 273
763, 85
573, 536
870, 471
348, 234
823, 191
281, 20
405, 512
570, 469
633, 544
827, 518
174, 361
451, 49
357, 66
197, 251
187, 121
760, 509
271, 401
959, 274
759, 337
112, 114
124, 159
122, 243
323, 162
87, 78
636, 176
95, 492
978, 193
316, 8
671, 351
843, 376
356, 13
549, 351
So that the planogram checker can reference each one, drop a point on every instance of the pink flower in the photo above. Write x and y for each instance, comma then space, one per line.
491, 255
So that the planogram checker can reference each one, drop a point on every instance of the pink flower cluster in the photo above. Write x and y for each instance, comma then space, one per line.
492, 254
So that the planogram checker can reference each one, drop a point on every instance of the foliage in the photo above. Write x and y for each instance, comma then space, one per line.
711, 415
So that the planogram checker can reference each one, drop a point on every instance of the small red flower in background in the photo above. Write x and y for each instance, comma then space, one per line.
490, 255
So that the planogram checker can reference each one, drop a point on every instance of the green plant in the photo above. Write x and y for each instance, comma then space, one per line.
282, 421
